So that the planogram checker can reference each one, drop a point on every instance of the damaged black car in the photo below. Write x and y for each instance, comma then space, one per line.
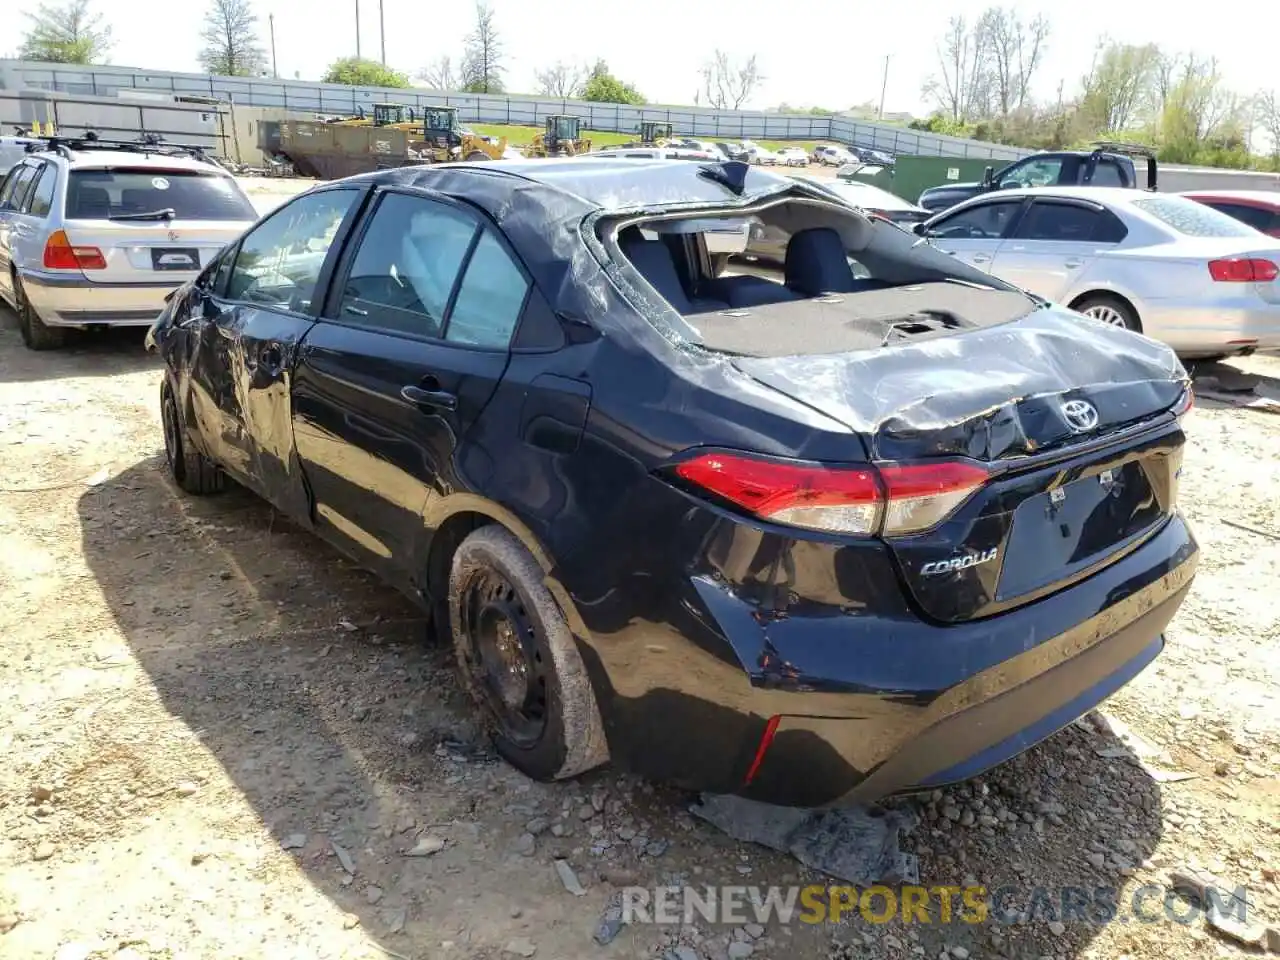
863, 522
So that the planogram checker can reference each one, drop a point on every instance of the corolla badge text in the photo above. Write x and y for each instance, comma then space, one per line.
958, 563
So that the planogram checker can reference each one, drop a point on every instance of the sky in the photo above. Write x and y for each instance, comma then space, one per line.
828, 53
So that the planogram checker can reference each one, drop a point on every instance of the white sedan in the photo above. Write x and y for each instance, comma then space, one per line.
1160, 264
793, 157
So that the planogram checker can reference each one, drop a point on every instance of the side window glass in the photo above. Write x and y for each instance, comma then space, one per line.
1107, 174
21, 182
986, 221
279, 261
1039, 172
220, 276
491, 298
6, 186
408, 262
42, 195
1057, 221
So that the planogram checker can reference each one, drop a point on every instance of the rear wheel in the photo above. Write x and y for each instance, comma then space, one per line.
519, 661
1109, 309
192, 471
35, 334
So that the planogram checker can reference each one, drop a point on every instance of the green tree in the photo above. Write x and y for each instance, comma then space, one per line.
356, 72
66, 33
231, 46
604, 87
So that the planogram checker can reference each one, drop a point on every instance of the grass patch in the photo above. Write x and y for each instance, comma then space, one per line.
519, 136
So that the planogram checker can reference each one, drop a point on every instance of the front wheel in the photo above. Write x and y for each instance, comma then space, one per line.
35, 334
519, 660
1110, 310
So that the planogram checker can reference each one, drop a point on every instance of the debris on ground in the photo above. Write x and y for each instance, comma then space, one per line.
850, 843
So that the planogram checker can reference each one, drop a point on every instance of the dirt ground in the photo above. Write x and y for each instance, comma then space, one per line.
220, 739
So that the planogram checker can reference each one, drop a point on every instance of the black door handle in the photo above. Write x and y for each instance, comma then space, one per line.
435, 399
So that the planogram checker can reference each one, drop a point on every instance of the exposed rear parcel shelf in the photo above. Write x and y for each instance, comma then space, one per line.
983, 382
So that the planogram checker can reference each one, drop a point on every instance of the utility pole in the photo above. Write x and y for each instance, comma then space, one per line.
382, 33
357, 29
884, 86
271, 26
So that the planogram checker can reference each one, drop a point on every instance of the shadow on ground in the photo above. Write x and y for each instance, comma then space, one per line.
308, 682
90, 353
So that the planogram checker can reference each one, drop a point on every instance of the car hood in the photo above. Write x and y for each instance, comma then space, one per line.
990, 393
946, 187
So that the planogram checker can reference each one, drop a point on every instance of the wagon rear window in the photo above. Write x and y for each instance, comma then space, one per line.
102, 194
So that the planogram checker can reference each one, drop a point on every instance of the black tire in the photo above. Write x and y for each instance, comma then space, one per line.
1109, 309
475, 155
35, 334
191, 471
556, 730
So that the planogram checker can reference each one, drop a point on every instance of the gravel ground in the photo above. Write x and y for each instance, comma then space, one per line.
221, 739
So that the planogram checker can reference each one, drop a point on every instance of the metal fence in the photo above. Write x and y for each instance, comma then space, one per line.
298, 96
71, 115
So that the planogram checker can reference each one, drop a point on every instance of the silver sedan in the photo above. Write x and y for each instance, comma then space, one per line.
1163, 265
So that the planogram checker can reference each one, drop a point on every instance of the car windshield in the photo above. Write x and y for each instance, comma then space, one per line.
1192, 219
116, 192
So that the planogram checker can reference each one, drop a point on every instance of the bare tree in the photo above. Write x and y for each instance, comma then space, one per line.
727, 85
1015, 50
561, 80
1268, 117
230, 34
439, 74
482, 66
966, 86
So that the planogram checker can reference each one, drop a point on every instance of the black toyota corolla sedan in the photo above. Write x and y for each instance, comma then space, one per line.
867, 524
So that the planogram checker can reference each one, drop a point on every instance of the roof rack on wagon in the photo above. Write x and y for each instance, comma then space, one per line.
150, 144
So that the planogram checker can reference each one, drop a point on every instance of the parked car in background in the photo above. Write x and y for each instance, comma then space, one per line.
762, 156
94, 233
833, 156
1060, 168
1260, 209
858, 169
1163, 265
734, 151
652, 153
708, 527
871, 155
793, 157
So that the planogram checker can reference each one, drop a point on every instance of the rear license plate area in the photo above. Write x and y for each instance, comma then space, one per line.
175, 258
1057, 533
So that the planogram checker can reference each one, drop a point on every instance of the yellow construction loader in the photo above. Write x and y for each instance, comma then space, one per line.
561, 139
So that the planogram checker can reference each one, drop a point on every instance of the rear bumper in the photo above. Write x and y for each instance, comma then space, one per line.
62, 300
871, 700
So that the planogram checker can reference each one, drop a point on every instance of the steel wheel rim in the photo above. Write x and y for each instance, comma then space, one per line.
503, 656
1106, 314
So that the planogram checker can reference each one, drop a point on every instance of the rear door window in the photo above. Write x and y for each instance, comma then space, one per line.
491, 298
21, 184
1108, 174
41, 198
1064, 222
128, 193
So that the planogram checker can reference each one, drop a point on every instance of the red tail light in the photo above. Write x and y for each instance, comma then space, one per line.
892, 499
59, 254
1243, 270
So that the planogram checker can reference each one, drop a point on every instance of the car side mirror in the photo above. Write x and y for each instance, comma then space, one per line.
987, 176
918, 228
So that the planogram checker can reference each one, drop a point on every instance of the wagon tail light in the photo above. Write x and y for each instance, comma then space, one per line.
888, 499
1243, 270
61, 254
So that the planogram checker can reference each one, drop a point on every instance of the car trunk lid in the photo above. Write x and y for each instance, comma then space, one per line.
1069, 418
142, 252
